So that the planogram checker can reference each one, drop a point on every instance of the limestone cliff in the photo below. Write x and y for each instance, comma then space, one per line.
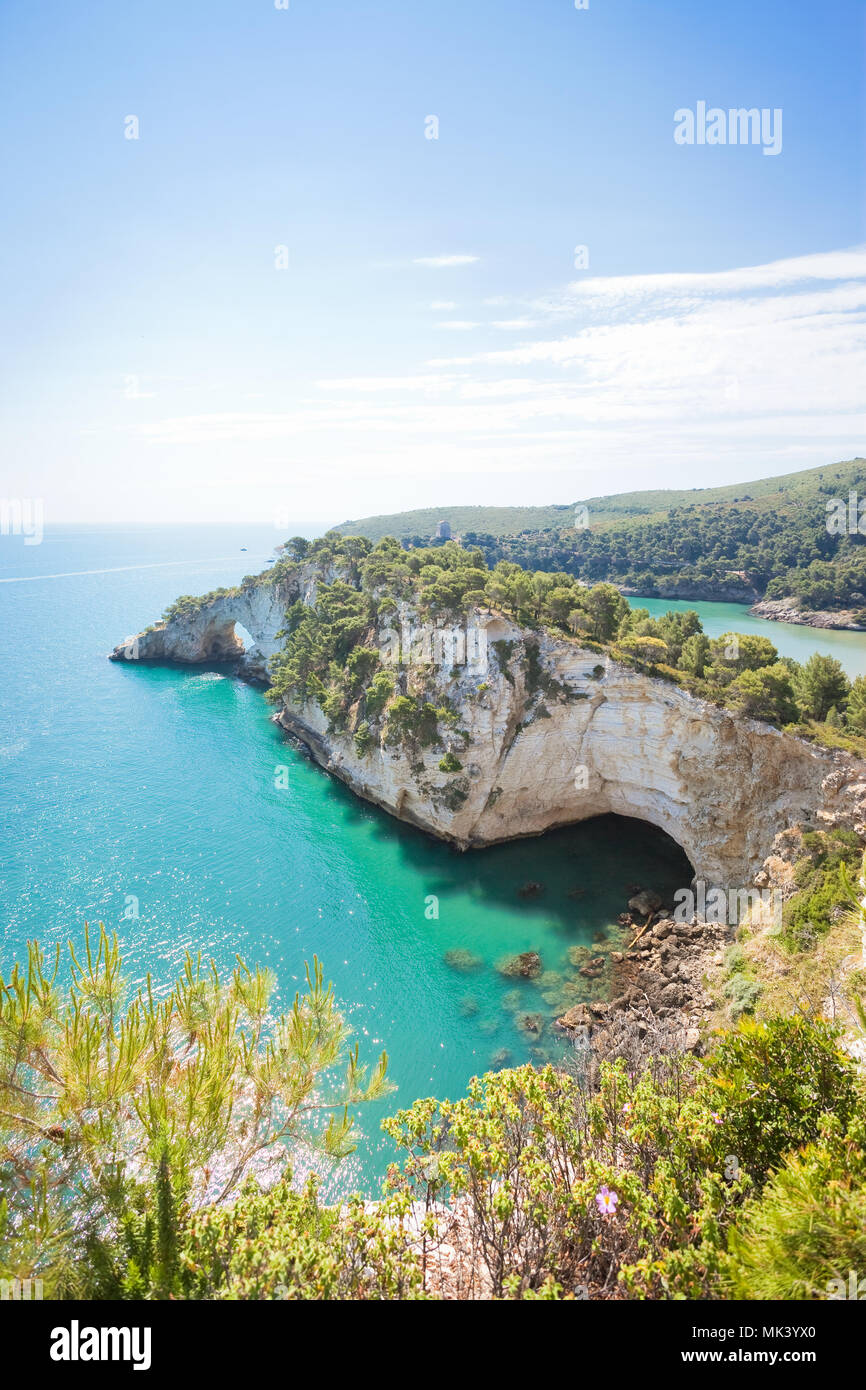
547, 733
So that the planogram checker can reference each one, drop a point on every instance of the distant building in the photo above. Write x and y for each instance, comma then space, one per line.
443, 531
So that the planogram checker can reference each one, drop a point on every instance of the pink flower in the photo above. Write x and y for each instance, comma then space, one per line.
606, 1201
716, 1117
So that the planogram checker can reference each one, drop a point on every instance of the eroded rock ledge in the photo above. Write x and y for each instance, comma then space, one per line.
788, 610
548, 733
659, 1002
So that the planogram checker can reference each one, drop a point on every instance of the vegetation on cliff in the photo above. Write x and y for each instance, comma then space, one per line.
333, 646
811, 958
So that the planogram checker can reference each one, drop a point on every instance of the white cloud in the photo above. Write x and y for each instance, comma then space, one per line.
439, 304
630, 381
679, 286
443, 262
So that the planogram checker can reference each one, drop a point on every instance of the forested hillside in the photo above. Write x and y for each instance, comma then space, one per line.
769, 537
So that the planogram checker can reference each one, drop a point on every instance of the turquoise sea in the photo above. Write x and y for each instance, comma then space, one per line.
147, 798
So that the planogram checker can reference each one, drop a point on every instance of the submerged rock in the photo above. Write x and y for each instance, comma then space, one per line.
531, 1023
531, 890
462, 960
550, 979
526, 966
512, 1001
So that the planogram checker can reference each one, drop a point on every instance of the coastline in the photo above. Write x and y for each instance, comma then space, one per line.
785, 610
775, 610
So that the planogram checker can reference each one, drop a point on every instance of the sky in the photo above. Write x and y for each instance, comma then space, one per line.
286, 301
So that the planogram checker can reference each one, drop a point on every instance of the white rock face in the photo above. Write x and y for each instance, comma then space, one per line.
553, 740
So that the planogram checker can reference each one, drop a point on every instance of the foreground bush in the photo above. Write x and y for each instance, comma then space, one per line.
146, 1149
279, 1243
634, 1189
119, 1116
807, 1234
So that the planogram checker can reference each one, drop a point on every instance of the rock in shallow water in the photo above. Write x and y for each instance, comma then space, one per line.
526, 966
462, 960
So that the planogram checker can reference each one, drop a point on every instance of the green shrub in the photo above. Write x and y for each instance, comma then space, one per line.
363, 740
378, 693
743, 994
772, 1082
450, 764
131, 1112
806, 1233
822, 878
411, 723
282, 1244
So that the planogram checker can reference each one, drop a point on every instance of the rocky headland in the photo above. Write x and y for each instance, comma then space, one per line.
542, 731
788, 610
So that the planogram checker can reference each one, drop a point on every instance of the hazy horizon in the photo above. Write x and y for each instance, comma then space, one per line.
313, 529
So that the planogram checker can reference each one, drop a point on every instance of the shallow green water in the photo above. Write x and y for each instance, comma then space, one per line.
789, 639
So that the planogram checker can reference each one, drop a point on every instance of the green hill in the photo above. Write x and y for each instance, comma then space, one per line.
764, 538
495, 521
789, 488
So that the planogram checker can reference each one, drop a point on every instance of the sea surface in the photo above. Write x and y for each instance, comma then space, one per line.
151, 799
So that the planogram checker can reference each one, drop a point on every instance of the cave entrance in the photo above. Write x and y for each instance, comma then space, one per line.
640, 855
584, 871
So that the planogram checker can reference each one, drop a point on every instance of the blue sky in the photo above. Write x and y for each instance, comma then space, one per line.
431, 341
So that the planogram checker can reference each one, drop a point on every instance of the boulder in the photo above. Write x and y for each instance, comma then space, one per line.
526, 966
645, 902
576, 1017
530, 890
